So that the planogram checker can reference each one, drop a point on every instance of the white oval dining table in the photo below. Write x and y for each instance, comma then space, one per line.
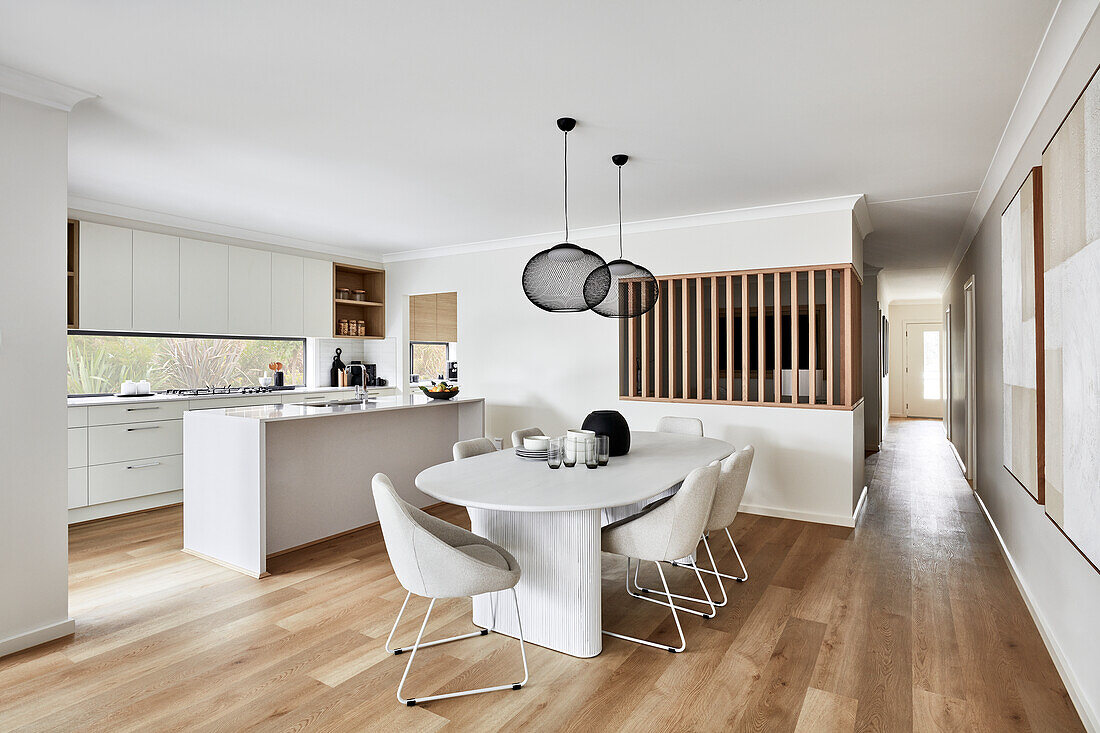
550, 520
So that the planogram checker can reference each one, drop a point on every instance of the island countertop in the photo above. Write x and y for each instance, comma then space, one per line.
278, 413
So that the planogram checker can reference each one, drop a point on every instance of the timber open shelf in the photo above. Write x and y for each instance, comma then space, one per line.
372, 310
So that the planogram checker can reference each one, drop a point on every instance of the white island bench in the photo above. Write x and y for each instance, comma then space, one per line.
259, 481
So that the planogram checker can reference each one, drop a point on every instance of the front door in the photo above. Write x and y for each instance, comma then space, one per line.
923, 386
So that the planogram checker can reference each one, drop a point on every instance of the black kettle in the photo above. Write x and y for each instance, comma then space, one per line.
337, 368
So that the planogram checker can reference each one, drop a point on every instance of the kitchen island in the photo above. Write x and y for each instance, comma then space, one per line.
263, 480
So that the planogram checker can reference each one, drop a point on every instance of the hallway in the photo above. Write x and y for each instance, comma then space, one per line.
909, 622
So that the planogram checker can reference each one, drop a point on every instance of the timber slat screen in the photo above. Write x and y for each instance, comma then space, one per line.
730, 338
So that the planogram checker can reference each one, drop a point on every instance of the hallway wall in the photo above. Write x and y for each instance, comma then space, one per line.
1062, 589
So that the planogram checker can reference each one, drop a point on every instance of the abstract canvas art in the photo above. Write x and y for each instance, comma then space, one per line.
1071, 254
1021, 320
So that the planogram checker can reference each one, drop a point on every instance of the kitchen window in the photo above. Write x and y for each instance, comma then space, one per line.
100, 362
428, 360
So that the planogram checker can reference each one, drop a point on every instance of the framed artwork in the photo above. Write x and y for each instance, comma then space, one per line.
1071, 334
1022, 334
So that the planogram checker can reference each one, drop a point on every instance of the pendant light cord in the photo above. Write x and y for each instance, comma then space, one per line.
566, 165
620, 212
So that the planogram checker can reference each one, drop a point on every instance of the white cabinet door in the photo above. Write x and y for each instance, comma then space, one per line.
156, 282
78, 487
106, 277
287, 291
249, 291
204, 287
318, 298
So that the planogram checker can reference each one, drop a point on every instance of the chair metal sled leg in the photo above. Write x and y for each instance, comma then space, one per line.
744, 572
706, 592
420, 644
675, 617
403, 649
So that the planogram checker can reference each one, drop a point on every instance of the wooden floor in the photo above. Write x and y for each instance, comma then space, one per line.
909, 622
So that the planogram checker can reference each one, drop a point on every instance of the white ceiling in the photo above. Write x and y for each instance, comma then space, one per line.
381, 127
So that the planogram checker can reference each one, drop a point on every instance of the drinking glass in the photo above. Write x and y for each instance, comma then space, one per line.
554, 452
603, 449
591, 458
569, 452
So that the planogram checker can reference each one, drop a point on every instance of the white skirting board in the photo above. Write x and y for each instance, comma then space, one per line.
124, 506
839, 520
34, 637
1088, 716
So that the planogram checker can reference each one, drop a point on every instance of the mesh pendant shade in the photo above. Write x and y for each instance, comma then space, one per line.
556, 278
621, 290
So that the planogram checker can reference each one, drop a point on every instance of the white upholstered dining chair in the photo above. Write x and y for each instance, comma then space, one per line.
680, 425
472, 447
669, 531
732, 480
519, 435
435, 559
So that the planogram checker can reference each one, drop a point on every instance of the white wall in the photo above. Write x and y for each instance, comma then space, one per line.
33, 527
901, 314
550, 370
1061, 589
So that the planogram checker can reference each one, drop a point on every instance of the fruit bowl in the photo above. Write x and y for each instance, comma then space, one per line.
441, 394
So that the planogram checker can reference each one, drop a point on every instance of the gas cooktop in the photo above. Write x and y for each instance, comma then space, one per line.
226, 390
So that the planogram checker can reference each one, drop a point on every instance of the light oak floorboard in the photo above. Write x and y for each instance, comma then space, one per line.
910, 621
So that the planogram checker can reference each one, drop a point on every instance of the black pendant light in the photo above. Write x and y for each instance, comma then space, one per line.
556, 278
622, 289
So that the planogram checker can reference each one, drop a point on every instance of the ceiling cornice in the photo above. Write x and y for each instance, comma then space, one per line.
131, 215
41, 91
1041, 103
771, 211
862, 216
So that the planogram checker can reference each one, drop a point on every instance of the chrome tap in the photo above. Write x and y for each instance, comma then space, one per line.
360, 390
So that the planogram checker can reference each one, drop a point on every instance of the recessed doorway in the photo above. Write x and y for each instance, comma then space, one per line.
923, 379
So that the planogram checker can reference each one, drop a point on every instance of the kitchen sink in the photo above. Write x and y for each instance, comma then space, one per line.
333, 403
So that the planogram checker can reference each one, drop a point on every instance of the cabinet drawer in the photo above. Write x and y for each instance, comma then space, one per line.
111, 443
292, 399
78, 417
78, 487
78, 447
128, 479
136, 412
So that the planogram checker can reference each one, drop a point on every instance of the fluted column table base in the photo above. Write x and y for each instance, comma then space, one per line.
559, 591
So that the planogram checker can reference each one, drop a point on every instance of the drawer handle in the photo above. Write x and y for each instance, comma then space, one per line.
144, 465
140, 409
147, 427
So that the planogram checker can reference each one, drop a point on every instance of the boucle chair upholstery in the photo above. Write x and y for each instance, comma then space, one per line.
680, 425
472, 447
732, 480
519, 435
665, 533
436, 559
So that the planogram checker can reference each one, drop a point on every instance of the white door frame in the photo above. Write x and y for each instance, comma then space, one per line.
970, 305
947, 371
905, 361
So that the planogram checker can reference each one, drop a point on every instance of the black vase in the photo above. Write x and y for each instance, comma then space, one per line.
612, 424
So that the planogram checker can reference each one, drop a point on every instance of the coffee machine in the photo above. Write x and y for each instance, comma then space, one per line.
371, 375
452, 371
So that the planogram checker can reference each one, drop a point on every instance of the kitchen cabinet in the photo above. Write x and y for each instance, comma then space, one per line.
131, 479
156, 284
287, 295
78, 487
249, 292
433, 317
317, 298
114, 443
204, 287
106, 277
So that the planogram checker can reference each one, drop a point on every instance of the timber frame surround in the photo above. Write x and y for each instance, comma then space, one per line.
730, 338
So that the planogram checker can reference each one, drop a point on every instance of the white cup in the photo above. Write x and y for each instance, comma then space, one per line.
266, 381
129, 387
143, 387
